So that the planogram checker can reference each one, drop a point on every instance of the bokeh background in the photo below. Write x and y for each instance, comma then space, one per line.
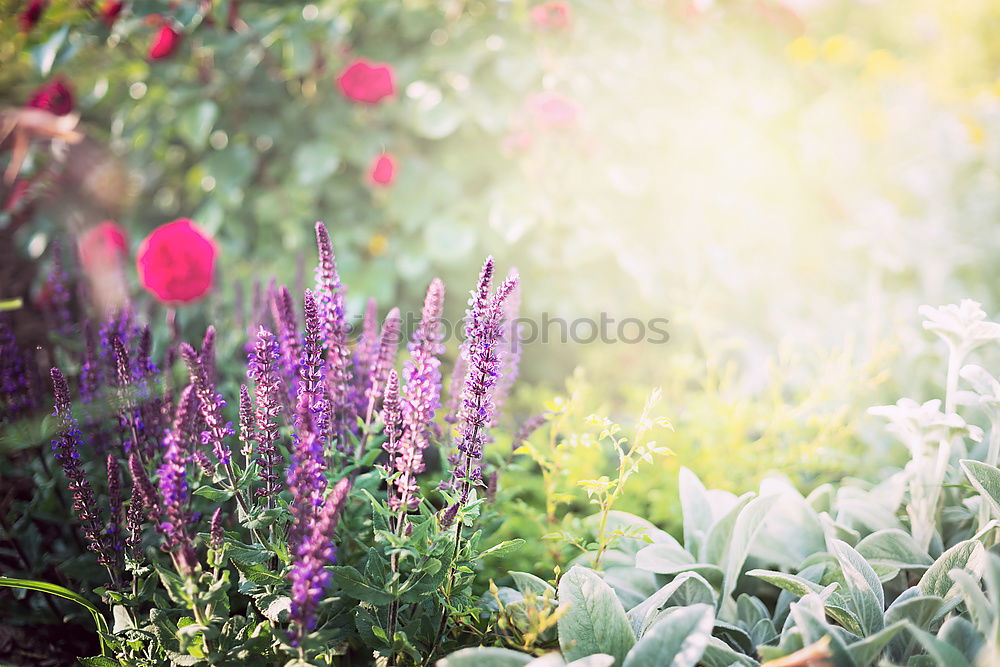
784, 181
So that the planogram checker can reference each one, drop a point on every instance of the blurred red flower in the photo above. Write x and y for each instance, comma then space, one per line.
166, 42
110, 11
383, 170
176, 262
366, 82
553, 110
56, 97
31, 15
102, 246
552, 15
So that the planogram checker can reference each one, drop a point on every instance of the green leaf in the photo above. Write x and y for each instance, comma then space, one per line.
594, 621
355, 585
696, 510
750, 520
641, 615
66, 594
44, 55
894, 548
678, 639
863, 585
792, 583
866, 651
195, 123
213, 494
11, 304
939, 651
986, 480
968, 555
505, 547
314, 163
485, 656
98, 661
529, 583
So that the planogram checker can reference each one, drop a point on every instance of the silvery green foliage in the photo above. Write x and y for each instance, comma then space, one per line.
858, 574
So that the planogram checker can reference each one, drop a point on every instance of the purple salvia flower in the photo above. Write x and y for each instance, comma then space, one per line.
59, 299
392, 420
216, 535
284, 319
16, 395
129, 417
422, 396
206, 358
67, 452
312, 388
478, 303
143, 488
90, 370
510, 352
261, 369
365, 354
248, 429
306, 477
175, 497
133, 524
447, 515
477, 409
114, 531
312, 552
388, 348
529, 427
210, 405
327, 282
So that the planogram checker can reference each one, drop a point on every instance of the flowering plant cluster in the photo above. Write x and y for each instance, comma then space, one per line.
298, 517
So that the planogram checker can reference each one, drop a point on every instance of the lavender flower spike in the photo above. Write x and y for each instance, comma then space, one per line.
211, 404
284, 318
392, 420
67, 452
175, 496
261, 369
216, 535
327, 282
478, 303
365, 354
477, 407
248, 427
312, 553
312, 392
114, 532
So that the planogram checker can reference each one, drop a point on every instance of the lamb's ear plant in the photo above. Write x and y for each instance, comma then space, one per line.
295, 522
852, 575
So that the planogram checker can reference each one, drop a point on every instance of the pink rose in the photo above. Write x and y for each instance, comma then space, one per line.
383, 170
553, 110
366, 82
176, 262
553, 15
166, 42
103, 245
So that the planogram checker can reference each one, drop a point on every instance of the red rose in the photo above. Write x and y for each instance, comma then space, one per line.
56, 97
553, 111
552, 15
166, 42
31, 15
383, 170
110, 11
366, 82
176, 262
103, 245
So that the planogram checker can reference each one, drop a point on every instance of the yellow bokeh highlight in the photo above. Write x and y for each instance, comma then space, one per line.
802, 50
976, 132
840, 50
377, 245
881, 64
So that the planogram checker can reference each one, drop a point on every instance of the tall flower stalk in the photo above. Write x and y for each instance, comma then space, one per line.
261, 369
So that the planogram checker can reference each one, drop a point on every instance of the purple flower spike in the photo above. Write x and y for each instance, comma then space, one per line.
388, 348
284, 318
248, 427
211, 404
261, 369
133, 524
175, 497
67, 452
484, 334
312, 552
312, 392
143, 489
215, 531
114, 532
364, 356
478, 303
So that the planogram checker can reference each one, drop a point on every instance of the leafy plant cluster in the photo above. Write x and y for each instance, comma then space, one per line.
903, 571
